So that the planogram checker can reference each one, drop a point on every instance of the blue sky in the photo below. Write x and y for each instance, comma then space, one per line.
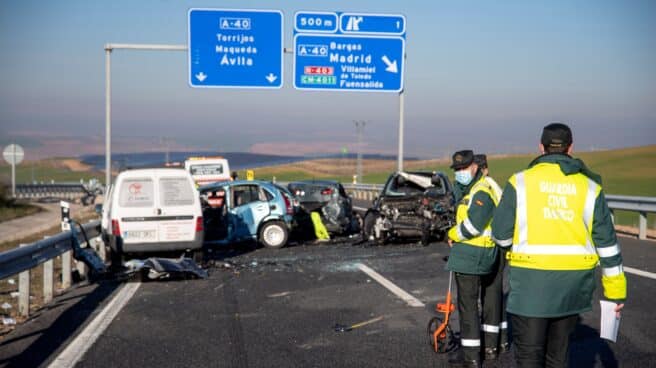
479, 74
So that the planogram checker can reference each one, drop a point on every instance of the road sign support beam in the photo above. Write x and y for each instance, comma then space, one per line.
399, 163
108, 92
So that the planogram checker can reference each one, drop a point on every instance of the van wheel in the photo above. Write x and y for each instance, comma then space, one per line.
273, 234
197, 256
116, 259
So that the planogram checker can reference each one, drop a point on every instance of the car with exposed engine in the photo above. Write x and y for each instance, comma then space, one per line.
411, 205
246, 210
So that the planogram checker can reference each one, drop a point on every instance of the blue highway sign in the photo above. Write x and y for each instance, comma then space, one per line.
372, 23
364, 53
231, 48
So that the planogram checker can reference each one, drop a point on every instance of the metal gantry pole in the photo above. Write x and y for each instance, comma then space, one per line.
108, 89
359, 128
108, 119
400, 154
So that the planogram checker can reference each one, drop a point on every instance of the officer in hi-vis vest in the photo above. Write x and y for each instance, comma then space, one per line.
495, 329
555, 218
473, 256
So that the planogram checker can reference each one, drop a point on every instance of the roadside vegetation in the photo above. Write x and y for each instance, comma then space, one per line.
11, 209
53, 169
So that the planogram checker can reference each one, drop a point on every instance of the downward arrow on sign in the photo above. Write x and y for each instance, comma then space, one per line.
271, 77
391, 66
201, 76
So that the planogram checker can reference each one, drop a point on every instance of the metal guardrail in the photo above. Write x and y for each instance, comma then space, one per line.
642, 205
28, 256
85, 192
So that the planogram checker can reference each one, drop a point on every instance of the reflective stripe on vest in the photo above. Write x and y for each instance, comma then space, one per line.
480, 239
566, 221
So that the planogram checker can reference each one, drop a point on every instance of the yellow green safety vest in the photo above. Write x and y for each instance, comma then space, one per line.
485, 238
553, 222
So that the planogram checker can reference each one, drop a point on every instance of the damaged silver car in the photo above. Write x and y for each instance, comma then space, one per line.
411, 204
330, 200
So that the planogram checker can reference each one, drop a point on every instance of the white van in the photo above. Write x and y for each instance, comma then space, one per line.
153, 210
207, 170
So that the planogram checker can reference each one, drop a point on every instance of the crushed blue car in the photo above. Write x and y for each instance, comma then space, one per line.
240, 211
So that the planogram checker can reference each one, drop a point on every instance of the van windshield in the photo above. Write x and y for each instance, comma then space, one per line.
175, 192
206, 169
136, 193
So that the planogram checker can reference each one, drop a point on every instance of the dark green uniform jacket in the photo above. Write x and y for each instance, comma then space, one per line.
465, 258
546, 293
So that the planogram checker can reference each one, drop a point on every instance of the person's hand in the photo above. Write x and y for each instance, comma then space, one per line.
450, 241
618, 308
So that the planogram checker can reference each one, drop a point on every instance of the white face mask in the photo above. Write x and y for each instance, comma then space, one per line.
464, 177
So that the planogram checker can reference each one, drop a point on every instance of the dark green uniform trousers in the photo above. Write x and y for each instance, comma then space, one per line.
495, 326
542, 342
470, 289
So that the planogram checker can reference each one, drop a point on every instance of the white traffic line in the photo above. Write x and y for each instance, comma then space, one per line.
360, 208
79, 346
406, 297
638, 272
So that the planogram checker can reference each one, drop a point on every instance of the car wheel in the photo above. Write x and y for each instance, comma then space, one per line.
116, 259
425, 238
368, 227
273, 234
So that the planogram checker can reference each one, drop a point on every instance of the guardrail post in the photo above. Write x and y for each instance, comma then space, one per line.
66, 270
24, 292
642, 232
48, 278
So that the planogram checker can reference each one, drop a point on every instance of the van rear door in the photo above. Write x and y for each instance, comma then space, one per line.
178, 207
136, 209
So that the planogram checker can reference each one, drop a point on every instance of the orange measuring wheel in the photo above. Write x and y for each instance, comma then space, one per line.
439, 332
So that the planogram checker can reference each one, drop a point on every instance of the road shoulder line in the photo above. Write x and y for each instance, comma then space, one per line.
83, 341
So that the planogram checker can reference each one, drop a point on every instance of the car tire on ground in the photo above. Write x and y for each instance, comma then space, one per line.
368, 226
273, 234
116, 259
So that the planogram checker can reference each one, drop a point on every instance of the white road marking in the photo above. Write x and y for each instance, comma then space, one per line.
360, 208
79, 346
638, 272
406, 297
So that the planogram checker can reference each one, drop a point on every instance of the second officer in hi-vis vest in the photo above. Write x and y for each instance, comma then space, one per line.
555, 219
473, 256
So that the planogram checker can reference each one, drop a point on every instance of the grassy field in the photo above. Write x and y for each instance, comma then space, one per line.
57, 169
629, 171
16, 210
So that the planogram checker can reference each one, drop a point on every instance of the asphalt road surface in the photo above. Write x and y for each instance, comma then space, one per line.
279, 308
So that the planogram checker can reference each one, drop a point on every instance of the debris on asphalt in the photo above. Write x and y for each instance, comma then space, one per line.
8, 321
278, 295
14, 294
6, 306
11, 282
345, 328
166, 268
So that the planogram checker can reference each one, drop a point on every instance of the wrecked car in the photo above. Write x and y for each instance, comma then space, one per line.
237, 211
330, 200
411, 204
